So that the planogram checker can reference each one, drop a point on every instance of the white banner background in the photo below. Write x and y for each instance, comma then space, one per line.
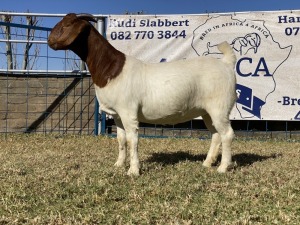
267, 45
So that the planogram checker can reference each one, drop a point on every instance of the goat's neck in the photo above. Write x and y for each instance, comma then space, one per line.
104, 61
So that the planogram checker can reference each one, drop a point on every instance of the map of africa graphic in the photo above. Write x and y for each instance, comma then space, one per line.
256, 65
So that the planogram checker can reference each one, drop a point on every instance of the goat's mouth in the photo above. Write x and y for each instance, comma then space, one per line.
52, 44
55, 45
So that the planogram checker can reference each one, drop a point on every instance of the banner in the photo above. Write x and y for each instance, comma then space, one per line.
267, 46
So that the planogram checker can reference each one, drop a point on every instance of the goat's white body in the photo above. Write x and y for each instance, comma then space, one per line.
170, 93
167, 93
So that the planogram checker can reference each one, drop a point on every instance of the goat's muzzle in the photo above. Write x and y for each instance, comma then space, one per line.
53, 44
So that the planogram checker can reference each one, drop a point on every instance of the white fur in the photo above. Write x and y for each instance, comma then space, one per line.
170, 93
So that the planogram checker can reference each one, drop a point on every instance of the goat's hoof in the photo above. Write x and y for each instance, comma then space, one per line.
207, 164
133, 172
119, 164
223, 168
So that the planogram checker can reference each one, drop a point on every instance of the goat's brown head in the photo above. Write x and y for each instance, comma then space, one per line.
65, 32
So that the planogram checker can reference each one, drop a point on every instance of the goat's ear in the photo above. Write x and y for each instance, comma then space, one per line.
72, 32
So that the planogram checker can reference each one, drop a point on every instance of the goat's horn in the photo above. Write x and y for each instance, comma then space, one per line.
86, 16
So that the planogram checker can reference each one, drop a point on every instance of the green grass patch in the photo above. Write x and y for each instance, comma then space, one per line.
47, 179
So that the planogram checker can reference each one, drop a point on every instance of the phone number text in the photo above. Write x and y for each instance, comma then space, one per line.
165, 34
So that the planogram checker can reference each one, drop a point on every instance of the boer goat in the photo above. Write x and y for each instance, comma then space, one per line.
133, 91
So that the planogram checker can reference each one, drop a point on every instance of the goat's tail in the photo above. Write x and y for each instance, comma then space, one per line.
229, 55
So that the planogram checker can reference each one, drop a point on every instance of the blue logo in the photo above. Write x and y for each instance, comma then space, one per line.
250, 103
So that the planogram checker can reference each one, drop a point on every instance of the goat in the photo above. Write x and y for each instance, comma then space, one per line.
133, 91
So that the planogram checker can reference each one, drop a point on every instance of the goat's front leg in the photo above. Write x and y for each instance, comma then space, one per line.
121, 136
131, 128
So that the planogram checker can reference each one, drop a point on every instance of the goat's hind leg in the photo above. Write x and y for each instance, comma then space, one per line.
215, 142
226, 160
222, 125
121, 136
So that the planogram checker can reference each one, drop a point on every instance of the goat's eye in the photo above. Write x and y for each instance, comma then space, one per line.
64, 27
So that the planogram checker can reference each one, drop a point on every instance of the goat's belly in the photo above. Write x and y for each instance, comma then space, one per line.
171, 118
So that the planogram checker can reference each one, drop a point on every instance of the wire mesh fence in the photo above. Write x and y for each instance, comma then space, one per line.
46, 103
263, 130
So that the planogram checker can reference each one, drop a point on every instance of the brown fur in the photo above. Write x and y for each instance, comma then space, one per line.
77, 34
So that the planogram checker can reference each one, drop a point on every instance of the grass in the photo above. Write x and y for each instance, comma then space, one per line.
71, 180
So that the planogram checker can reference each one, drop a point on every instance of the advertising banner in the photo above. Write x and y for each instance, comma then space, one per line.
267, 46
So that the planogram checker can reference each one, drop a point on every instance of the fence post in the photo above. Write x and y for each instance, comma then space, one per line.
101, 29
96, 117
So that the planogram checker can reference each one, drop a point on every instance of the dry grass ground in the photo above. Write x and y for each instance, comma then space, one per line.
71, 180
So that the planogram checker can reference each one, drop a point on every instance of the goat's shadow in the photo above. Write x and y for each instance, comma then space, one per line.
172, 158
241, 159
